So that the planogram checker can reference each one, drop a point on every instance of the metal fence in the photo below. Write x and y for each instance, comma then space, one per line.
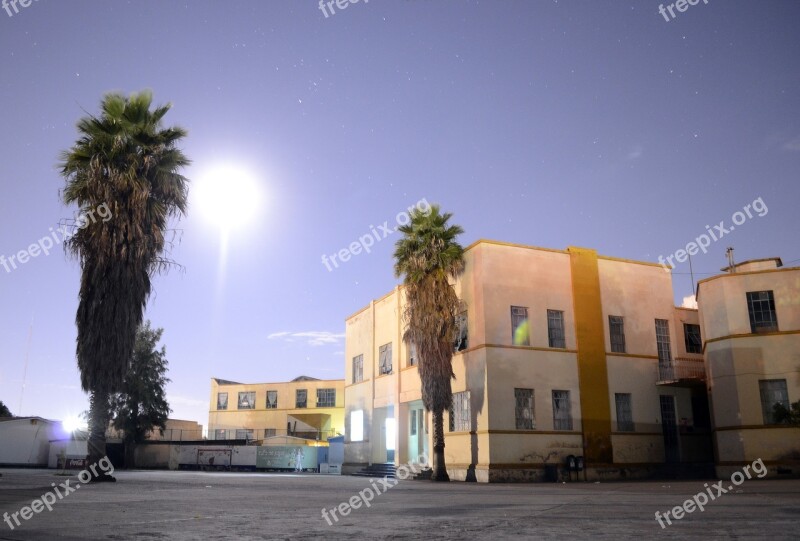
251, 434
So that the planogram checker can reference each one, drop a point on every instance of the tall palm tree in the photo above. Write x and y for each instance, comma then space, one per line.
124, 161
429, 259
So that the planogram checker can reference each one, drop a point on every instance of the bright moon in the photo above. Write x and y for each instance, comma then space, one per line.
227, 196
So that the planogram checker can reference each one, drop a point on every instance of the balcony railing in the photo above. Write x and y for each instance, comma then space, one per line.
261, 433
681, 369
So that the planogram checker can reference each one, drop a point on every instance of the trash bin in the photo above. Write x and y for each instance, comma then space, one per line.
551, 473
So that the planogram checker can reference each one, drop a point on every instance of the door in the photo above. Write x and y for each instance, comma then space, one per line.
669, 427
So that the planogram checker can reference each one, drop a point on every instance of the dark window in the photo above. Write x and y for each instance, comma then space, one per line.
773, 391
301, 398
272, 400
269, 432
244, 434
220, 434
222, 401
326, 398
358, 368
662, 342
691, 334
461, 338
247, 401
412, 354
520, 330
385, 359
616, 326
523, 410
562, 411
459, 412
413, 422
555, 329
624, 412
761, 306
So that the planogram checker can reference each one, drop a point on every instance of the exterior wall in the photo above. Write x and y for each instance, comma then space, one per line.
26, 441
327, 421
737, 359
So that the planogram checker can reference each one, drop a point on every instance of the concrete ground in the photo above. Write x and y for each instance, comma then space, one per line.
196, 505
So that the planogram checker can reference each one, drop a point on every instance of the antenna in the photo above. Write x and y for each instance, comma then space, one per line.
25, 371
729, 253
691, 272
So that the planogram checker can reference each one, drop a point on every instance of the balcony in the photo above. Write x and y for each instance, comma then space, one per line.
682, 372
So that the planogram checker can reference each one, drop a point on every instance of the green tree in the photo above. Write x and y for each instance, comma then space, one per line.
4, 411
142, 405
429, 259
784, 415
124, 161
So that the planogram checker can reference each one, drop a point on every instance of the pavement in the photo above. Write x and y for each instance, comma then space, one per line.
244, 506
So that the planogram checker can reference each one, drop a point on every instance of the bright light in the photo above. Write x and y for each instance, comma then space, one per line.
357, 425
227, 196
391, 426
73, 423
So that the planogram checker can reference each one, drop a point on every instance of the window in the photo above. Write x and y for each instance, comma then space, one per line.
624, 414
555, 329
219, 433
761, 306
523, 411
272, 400
412, 354
326, 398
269, 432
459, 412
616, 327
385, 358
357, 425
461, 338
773, 391
222, 401
247, 400
413, 422
562, 411
300, 398
662, 341
520, 330
244, 434
358, 368
691, 334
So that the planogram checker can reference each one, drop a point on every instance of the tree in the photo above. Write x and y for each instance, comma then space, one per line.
429, 258
126, 163
142, 405
4, 411
784, 415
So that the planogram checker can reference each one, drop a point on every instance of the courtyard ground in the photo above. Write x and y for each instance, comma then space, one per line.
243, 506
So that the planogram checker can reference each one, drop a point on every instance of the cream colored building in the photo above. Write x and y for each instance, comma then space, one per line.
561, 352
304, 407
751, 325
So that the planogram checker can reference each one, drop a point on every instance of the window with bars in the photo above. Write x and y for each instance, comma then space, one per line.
272, 400
412, 354
662, 341
624, 412
773, 391
300, 398
222, 401
244, 434
413, 422
616, 328
247, 400
555, 329
562, 411
385, 359
220, 434
523, 410
462, 338
326, 398
761, 307
358, 368
520, 330
691, 335
459, 412
269, 432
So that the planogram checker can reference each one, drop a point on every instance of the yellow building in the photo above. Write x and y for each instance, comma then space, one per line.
304, 407
560, 352
750, 318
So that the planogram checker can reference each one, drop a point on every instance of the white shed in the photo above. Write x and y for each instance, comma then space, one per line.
25, 441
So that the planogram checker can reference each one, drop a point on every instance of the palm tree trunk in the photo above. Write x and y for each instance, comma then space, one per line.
98, 422
439, 469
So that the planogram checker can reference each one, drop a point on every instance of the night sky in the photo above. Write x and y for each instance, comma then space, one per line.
552, 123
